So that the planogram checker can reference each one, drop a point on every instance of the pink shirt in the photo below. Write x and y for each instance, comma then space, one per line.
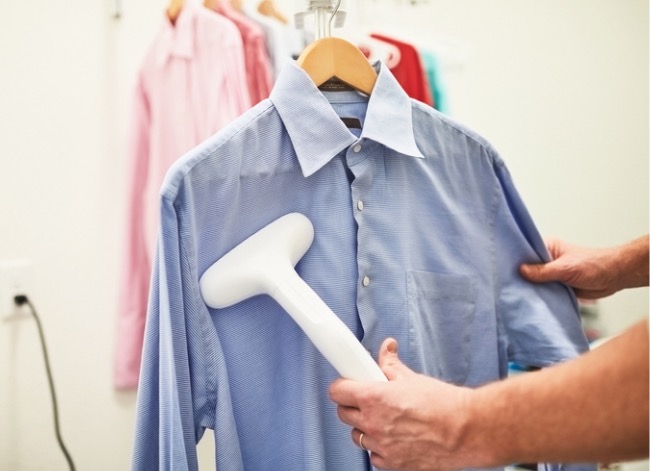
259, 70
191, 84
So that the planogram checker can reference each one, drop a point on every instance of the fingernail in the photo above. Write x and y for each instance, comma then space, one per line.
392, 347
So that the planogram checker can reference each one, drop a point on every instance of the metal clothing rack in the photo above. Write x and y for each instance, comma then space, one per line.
325, 12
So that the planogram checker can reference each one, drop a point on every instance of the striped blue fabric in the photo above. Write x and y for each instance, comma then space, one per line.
418, 235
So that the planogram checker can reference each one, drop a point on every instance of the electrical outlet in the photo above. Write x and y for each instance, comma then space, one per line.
15, 279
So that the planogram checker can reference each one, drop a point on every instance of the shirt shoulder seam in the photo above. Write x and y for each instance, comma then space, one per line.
460, 128
184, 165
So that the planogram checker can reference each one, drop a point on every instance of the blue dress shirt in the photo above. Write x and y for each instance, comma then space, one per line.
419, 233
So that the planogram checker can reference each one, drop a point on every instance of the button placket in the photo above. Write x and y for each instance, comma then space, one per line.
356, 149
355, 158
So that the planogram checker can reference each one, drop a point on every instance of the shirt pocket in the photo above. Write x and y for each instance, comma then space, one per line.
441, 311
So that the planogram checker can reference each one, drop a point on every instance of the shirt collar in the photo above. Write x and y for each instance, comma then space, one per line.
178, 38
318, 134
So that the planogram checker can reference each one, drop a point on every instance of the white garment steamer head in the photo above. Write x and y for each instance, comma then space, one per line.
264, 264
250, 268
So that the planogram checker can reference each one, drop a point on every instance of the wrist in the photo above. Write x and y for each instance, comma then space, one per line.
475, 438
632, 266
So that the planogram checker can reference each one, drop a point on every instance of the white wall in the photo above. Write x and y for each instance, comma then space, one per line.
560, 88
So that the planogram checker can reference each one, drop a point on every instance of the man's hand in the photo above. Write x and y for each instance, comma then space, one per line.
410, 422
593, 273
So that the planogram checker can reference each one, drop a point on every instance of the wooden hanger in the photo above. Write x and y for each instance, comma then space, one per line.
237, 4
334, 57
174, 9
268, 8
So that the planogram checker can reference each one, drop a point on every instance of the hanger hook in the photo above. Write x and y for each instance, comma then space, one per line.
336, 8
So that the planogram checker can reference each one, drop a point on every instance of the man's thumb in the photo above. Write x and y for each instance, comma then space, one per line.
540, 272
389, 361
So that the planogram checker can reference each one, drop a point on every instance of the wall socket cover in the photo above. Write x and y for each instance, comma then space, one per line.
15, 278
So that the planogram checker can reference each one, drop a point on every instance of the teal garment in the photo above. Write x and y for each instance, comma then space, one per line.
436, 82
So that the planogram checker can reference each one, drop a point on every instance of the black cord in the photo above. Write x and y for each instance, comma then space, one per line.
20, 300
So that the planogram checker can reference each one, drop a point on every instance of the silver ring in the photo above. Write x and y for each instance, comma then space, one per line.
361, 442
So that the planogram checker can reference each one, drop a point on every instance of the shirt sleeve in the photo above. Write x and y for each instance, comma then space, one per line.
136, 263
541, 321
171, 393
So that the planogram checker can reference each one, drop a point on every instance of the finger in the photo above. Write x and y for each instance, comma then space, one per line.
388, 352
555, 247
349, 415
540, 272
389, 360
342, 391
378, 461
361, 439
591, 293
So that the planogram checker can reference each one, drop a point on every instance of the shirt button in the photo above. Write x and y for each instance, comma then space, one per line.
365, 281
357, 148
360, 205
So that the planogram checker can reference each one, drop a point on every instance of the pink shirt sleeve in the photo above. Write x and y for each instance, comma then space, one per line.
136, 262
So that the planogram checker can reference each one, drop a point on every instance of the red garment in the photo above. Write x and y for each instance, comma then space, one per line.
409, 72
